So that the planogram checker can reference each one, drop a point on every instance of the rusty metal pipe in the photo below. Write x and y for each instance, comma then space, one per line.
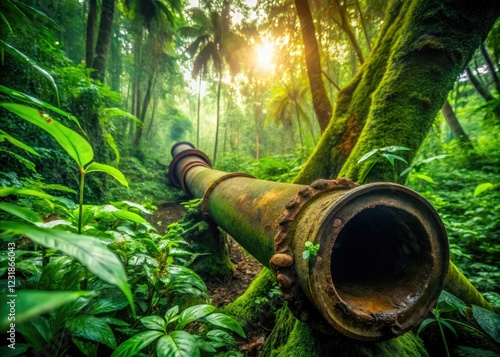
383, 255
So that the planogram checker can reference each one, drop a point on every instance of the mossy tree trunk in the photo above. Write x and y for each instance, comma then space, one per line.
392, 100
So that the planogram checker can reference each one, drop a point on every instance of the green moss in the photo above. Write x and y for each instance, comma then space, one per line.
209, 241
244, 307
291, 337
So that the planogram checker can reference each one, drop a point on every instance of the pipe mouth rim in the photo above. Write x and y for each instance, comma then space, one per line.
347, 310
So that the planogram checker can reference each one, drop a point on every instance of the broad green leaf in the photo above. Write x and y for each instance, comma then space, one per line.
21, 56
394, 148
225, 321
488, 320
110, 170
88, 349
131, 204
129, 216
306, 254
136, 343
482, 187
154, 323
115, 112
220, 338
391, 158
405, 171
20, 212
107, 304
368, 155
193, 313
110, 140
171, 313
92, 328
18, 143
424, 324
74, 144
39, 103
207, 346
453, 301
32, 303
6, 191
177, 344
89, 251
424, 177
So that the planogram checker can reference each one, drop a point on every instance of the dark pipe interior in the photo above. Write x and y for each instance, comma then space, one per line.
380, 258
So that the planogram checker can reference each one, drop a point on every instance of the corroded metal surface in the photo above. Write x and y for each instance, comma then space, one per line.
383, 253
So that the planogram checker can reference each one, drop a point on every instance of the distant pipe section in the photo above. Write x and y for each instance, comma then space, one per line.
383, 251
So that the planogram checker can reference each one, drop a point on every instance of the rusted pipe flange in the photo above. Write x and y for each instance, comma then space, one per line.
206, 196
172, 174
282, 262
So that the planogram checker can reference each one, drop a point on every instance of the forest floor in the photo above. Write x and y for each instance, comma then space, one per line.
224, 291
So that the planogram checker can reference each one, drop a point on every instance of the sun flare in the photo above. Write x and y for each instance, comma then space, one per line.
265, 55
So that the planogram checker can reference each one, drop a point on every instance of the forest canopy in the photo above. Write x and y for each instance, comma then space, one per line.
101, 256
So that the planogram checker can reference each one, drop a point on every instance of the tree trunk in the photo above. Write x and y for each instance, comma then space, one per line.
480, 88
393, 100
103, 39
198, 114
322, 105
218, 116
396, 94
456, 129
491, 67
363, 24
145, 105
256, 121
90, 35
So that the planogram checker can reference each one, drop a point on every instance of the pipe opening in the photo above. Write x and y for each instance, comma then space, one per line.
381, 260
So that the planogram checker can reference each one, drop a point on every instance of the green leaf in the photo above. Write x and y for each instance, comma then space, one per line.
74, 144
108, 304
129, 216
110, 170
423, 177
136, 343
6, 191
391, 158
424, 324
193, 313
89, 251
92, 328
225, 321
37, 102
368, 155
220, 338
32, 303
154, 323
20, 212
488, 320
18, 143
116, 112
451, 328
177, 344
131, 204
171, 313
452, 301
306, 254
21, 56
482, 187
394, 148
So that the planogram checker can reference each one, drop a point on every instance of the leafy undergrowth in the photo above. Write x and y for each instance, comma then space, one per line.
465, 190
